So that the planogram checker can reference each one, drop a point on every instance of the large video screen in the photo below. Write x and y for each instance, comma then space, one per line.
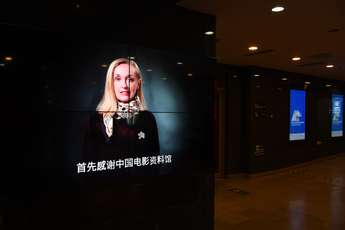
120, 110
337, 115
102, 130
297, 114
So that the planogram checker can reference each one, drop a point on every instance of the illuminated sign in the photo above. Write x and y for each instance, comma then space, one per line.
337, 115
297, 115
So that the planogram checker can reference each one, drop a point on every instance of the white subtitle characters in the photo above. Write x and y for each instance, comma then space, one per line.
137, 161
81, 167
167, 158
111, 165
160, 159
145, 161
120, 163
91, 166
153, 160
129, 163
101, 166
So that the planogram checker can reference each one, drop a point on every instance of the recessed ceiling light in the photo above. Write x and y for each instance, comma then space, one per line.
180, 63
256, 75
8, 58
149, 70
307, 82
284, 79
330, 66
328, 85
277, 9
209, 33
296, 58
190, 74
132, 58
104, 66
253, 48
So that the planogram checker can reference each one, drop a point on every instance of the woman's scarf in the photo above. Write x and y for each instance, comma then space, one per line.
126, 111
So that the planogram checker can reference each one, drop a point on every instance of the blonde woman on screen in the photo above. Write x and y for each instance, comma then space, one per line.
122, 126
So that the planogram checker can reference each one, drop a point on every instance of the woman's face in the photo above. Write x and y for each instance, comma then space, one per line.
126, 82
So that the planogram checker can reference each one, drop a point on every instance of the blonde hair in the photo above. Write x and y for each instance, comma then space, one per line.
108, 104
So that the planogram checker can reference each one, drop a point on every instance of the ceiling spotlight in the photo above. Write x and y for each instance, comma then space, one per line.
328, 85
149, 70
104, 66
209, 33
253, 48
180, 63
284, 79
256, 75
8, 58
190, 74
277, 9
296, 59
131, 58
307, 83
330, 66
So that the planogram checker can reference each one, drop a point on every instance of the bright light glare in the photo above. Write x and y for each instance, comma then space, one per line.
209, 33
278, 9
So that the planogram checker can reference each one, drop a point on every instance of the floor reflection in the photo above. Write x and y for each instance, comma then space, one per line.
296, 214
305, 197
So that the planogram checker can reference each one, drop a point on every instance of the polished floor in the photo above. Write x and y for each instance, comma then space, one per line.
309, 196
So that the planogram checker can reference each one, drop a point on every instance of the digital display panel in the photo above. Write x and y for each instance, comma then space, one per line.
105, 128
108, 126
118, 110
337, 115
297, 114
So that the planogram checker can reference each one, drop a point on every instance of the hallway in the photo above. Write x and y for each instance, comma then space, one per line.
309, 196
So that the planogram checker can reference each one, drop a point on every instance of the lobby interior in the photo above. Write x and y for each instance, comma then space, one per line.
252, 174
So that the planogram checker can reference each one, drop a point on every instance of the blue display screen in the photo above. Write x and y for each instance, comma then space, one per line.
297, 115
337, 115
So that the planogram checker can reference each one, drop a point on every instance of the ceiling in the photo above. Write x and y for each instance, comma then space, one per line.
311, 29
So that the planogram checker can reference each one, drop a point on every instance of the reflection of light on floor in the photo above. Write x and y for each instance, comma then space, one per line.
238, 191
296, 213
311, 196
337, 202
